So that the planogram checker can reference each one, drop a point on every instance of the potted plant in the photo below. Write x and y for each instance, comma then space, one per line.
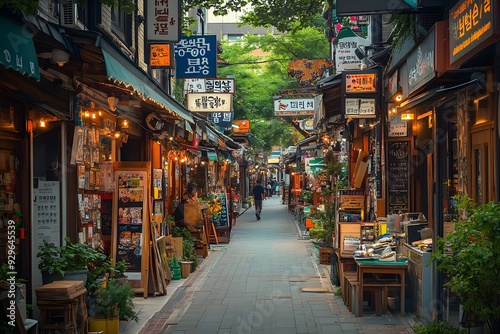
247, 202
188, 248
306, 196
114, 302
70, 261
20, 227
470, 257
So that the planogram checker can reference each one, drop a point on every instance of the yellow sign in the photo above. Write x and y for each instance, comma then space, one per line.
159, 55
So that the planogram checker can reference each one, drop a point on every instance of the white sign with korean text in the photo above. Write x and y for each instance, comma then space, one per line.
292, 107
201, 85
360, 108
345, 56
209, 102
162, 21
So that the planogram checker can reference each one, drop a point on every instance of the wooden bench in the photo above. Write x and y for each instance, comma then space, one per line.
374, 289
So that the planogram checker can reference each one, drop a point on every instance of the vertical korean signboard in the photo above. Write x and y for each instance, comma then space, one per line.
162, 21
196, 57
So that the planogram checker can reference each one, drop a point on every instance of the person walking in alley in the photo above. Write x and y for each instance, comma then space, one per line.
269, 189
258, 194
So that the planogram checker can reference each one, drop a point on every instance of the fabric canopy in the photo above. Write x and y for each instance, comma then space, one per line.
18, 49
121, 71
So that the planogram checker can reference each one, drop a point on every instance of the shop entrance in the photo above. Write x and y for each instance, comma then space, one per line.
482, 159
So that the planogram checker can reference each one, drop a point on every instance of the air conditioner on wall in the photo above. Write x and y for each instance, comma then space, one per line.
69, 15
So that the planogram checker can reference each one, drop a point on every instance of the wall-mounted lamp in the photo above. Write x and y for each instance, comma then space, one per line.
57, 56
407, 117
398, 97
113, 103
43, 123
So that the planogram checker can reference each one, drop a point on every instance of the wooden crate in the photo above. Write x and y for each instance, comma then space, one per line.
325, 255
177, 244
352, 230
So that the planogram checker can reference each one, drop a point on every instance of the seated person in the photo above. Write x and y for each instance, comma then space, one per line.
189, 196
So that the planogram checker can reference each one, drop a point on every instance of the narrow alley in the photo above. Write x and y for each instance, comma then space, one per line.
255, 284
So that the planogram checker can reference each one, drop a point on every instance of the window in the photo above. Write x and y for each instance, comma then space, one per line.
121, 24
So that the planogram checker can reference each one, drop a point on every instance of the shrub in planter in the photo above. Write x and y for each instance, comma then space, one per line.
470, 257
114, 299
439, 327
59, 261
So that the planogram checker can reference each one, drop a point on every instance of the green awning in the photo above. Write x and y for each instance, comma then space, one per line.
17, 50
212, 155
121, 71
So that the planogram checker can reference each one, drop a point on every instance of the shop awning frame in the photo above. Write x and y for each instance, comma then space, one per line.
122, 72
434, 94
18, 49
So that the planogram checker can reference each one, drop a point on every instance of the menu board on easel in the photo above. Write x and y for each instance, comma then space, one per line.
130, 230
222, 219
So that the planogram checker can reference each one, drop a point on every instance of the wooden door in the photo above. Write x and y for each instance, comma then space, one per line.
482, 159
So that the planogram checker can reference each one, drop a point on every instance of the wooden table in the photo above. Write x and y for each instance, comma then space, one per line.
365, 267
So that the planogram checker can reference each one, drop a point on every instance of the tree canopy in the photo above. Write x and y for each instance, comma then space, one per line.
259, 64
286, 16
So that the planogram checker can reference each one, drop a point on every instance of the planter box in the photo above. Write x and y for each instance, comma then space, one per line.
325, 255
107, 326
185, 268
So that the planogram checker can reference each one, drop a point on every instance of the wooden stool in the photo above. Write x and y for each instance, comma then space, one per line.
62, 307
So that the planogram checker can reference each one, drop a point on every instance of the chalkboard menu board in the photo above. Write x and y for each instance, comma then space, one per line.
398, 153
222, 218
131, 196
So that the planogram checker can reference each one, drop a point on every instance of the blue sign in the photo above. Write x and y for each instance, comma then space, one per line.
222, 119
196, 57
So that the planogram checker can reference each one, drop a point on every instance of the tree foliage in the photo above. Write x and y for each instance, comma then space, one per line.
260, 67
286, 16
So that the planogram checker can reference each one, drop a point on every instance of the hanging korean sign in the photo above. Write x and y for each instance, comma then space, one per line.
360, 108
160, 56
196, 57
345, 56
209, 102
294, 107
360, 93
222, 119
472, 27
209, 86
162, 21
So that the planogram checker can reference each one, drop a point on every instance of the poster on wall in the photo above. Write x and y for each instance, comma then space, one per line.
131, 187
46, 213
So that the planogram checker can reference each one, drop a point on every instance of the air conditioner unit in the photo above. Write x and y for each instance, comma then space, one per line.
69, 15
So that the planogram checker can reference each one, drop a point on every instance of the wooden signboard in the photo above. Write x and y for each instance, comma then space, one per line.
130, 232
351, 199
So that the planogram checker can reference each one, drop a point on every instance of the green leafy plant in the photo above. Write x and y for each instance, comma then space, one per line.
115, 299
59, 260
470, 257
103, 269
188, 250
318, 232
306, 195
439, 327
4, 274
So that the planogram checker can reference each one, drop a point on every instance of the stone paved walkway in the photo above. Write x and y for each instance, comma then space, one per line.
254, 285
